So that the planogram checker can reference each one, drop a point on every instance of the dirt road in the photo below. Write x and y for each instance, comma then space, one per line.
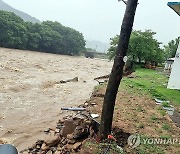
31, 95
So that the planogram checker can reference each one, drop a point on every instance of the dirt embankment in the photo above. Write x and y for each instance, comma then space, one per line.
139, 114
31, 93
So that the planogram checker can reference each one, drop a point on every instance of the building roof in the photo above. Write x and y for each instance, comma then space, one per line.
175, 6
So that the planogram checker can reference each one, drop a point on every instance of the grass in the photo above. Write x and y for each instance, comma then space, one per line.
166, 104
166, 127
162, 112
136, 112
109, 148
149, 148
154, 117
152, 83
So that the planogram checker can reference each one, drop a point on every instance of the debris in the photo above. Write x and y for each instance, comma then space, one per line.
68, 128
47, 130
70, 80
94, 115
44, 147
77, 145
98, 95
111, 137
93, 104
52, 142
102, 77
70, 136
73, 131
69, 146
158, 101
73, 109
169, 108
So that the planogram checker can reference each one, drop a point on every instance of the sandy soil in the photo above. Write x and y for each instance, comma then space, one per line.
30, 95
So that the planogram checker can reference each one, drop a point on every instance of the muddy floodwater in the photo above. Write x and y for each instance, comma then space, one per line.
31, 94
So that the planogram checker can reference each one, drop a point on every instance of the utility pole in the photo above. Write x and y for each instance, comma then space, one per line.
117, 70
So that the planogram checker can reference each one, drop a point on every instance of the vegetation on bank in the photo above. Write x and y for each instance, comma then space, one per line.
144, 48
47, 36
137, 113
153, 83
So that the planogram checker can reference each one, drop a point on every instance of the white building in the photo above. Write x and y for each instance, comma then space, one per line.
174, 80
169, 64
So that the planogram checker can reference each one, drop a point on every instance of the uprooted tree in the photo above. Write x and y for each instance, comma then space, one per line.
117, 70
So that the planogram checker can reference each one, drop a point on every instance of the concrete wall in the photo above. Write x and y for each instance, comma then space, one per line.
174, 80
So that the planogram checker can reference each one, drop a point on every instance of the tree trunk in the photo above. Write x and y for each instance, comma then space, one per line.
117, 70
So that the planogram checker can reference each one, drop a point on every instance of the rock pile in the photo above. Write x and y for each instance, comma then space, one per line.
68, 136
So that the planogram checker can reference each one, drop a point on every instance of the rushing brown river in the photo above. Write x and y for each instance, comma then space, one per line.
31, 95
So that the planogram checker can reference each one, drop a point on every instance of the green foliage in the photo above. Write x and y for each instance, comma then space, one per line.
112, 50
46, 37
161, 111
171, 48
149, 148
141, 125
13, 31
142, 47
153, 83
153, 117
166, 104
72, 42
166, 127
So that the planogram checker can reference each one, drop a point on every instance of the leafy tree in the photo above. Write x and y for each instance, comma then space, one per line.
73, 42
50, 40
13, 31
142, 47
171, 48
33, 36
47, 36
112, 50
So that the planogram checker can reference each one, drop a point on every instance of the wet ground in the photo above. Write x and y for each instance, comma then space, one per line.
31, 94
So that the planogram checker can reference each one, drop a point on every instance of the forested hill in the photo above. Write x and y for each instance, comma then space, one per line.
47, 36
24, 16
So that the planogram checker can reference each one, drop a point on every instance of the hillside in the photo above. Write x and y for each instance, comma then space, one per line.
97, 45
24, 16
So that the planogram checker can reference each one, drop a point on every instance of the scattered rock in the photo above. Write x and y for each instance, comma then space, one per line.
73, 131
70, 136
69, 146
77, 145
68, 128
53, 142
44, 147
72, 141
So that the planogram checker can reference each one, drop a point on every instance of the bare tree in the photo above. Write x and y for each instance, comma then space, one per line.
117, 70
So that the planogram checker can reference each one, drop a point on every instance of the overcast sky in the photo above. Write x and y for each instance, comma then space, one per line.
101, 19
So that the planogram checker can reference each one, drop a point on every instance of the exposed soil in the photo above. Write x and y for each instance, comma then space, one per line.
31, 94
176, 118
135, 113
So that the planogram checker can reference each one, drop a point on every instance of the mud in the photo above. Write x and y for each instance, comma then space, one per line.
30, 96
